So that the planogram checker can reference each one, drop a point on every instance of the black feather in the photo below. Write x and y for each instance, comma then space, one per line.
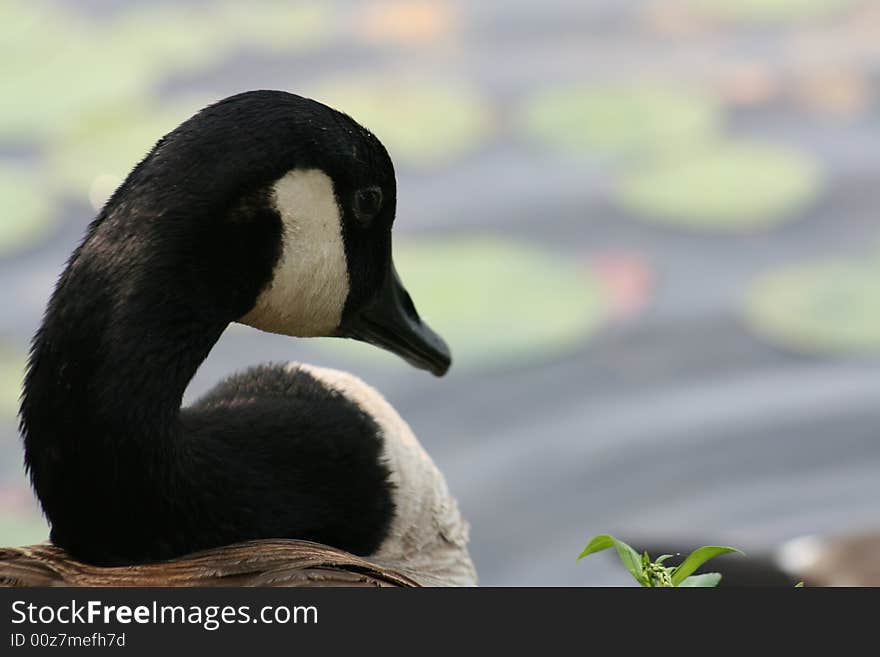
184, 247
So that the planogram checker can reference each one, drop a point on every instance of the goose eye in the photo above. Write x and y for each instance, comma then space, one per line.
367, 203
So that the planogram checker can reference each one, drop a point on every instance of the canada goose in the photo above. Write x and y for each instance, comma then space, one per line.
275, 211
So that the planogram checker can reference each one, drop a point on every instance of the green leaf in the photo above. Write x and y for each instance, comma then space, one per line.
628, 557
799, 585
662, 558
706, 580
696, 559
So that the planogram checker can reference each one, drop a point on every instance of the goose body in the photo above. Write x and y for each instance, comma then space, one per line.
275, 211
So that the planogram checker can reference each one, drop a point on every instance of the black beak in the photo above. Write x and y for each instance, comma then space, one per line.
390, 321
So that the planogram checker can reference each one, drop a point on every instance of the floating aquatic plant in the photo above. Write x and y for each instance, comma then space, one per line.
420, 124
824, 307
725, 186
27, 209
497, 301
622, 119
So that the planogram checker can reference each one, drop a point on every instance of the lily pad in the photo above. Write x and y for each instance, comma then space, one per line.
23, 529
825, 307
105, 145
768, 11
57, 66
11, 376
420, 124
621, 119
53, 67
726, 187
27, 210
496, 302
277, 26
189, 37
158, 39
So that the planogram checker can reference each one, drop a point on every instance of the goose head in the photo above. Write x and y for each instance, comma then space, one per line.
283, 209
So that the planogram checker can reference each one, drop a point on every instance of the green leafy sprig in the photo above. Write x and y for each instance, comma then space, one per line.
653, 573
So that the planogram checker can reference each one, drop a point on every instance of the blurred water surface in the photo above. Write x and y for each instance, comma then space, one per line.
648, 228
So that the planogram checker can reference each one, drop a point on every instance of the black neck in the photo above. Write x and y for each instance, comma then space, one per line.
108, 370
138, 308
110, 373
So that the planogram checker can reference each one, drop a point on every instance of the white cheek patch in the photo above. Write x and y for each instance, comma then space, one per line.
310, 283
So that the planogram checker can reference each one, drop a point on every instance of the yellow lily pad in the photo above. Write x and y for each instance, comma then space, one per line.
27, 210
420, 124
496, 302
620, 119
726, 187
825, 307
768, 11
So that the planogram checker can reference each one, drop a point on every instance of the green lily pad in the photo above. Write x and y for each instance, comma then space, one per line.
56, 67
51, 93
11, 376
768, 11
53, 67
420, 124
825, 307
158, 39
620, 120
27, 210
105, 145
169, 38
23, 529
276, 26
496, 302
727, 187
